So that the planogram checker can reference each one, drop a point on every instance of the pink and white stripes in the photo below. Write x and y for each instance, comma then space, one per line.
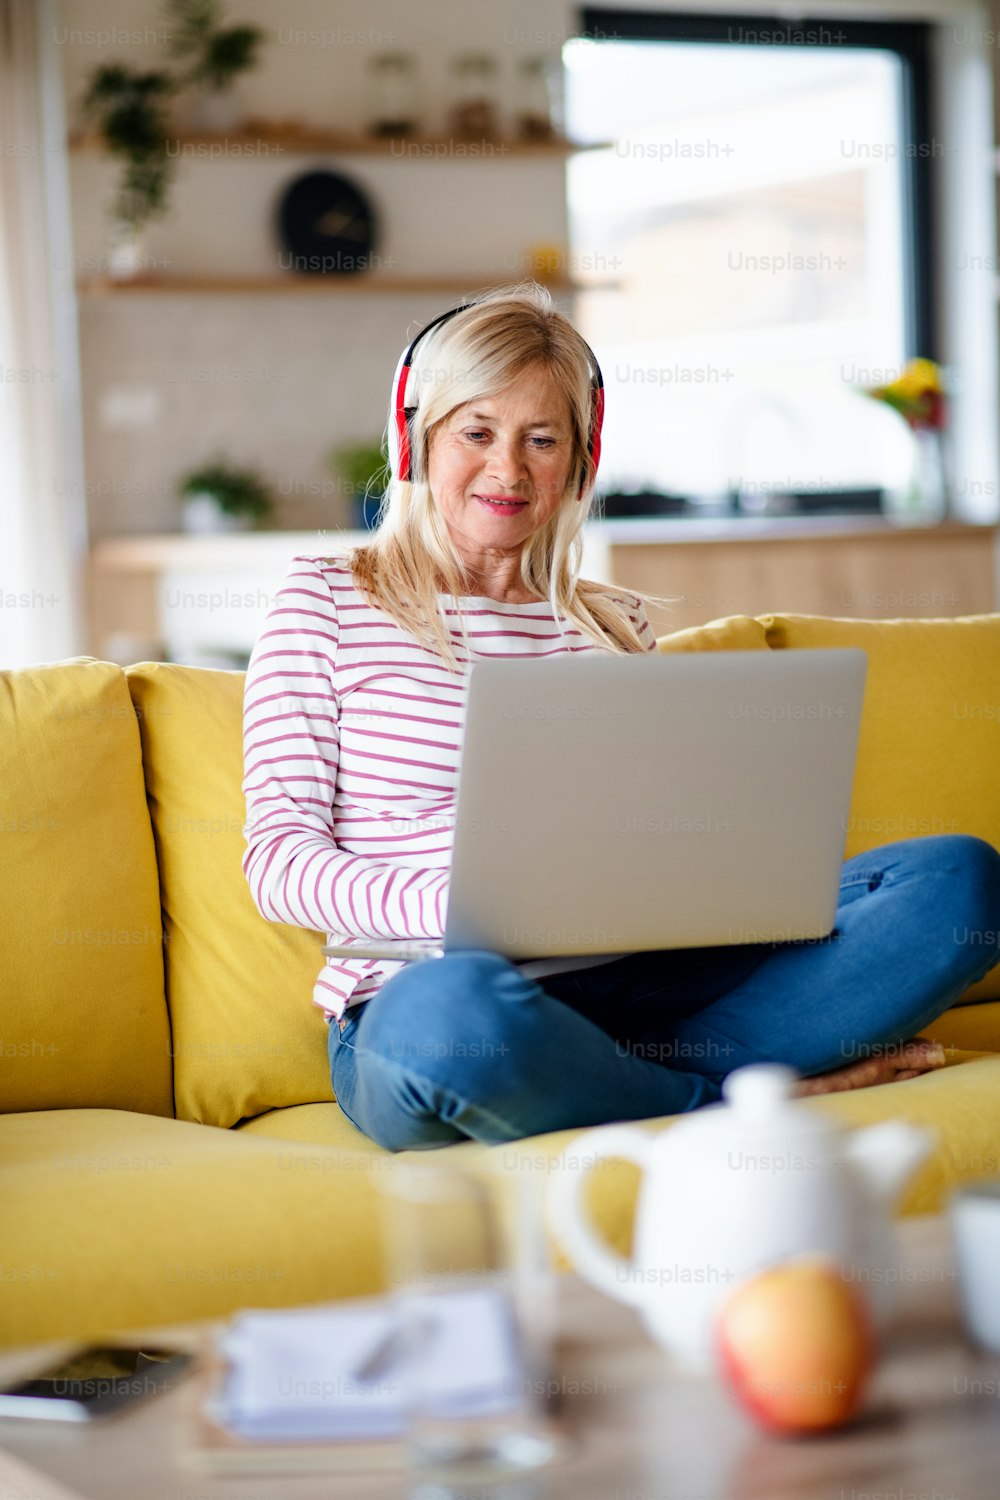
351, 733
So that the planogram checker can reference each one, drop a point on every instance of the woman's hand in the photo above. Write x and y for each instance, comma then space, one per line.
919, 1055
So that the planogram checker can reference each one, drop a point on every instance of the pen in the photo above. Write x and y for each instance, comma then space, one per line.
388, 1347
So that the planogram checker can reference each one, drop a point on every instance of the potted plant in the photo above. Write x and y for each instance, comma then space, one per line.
217, 53
128, 110
220, 497
363, 473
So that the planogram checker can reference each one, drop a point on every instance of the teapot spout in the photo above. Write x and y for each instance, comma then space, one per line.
887, 1155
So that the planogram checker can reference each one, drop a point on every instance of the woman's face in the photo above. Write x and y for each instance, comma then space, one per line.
516, 446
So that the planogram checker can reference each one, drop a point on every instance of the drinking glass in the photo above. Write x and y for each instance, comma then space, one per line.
475, 1294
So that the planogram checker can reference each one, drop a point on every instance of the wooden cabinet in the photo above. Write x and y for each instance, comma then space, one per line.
867, 569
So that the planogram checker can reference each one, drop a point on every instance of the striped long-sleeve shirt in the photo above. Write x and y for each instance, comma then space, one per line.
351, 733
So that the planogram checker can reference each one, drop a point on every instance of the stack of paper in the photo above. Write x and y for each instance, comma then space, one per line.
350, 1371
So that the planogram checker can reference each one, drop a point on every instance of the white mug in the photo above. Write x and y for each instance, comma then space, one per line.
974, 1211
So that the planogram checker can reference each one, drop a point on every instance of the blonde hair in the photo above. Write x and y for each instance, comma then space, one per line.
411, 558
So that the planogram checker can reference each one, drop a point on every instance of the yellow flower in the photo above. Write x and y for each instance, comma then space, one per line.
919, 377
917, 394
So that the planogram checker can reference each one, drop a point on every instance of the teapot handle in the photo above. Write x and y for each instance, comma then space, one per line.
569, 1221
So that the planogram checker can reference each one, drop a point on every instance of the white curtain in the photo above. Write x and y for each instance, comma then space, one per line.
43, 541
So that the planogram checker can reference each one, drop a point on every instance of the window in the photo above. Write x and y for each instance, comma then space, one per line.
754, 249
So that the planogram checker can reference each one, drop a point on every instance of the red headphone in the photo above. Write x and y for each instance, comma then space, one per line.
401, 415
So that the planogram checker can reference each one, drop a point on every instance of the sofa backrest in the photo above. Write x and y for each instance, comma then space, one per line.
83, 1018
246, 1037
929, 748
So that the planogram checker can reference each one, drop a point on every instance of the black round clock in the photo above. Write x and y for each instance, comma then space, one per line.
327, 226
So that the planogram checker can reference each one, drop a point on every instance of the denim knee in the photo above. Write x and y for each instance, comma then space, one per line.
975, 864
450, 1007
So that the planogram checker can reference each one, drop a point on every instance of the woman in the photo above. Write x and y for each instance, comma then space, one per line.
354, 697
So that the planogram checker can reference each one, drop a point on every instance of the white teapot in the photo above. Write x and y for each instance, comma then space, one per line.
730, 1190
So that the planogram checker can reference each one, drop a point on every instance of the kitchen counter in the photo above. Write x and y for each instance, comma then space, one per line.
644, 529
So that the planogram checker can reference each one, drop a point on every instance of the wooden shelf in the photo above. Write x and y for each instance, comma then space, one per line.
280, 140
262, 137
372, 285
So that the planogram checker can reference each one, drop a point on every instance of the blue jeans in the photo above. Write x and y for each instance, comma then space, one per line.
466, 1046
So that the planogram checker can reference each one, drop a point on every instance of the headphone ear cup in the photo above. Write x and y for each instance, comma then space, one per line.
409, 443
594, 439
595, 436
397, 431
393, 446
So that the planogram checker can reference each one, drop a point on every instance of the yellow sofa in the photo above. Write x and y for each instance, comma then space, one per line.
169, 1144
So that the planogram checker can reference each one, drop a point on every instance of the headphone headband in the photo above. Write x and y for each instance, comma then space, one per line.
401, 415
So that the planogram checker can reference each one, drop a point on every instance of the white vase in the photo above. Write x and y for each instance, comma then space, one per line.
127, 251
922, 500
214, 111
203, 515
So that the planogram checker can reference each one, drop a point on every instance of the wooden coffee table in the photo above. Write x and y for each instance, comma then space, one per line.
640, 1430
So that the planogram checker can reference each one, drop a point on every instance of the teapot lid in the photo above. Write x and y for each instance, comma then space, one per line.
757, 1100
758, 1090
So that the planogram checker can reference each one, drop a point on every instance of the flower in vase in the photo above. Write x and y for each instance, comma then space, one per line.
917, 394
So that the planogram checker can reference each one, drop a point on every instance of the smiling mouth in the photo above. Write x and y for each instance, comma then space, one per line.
501, 504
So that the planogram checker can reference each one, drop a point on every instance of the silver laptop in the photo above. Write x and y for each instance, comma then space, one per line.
617, 804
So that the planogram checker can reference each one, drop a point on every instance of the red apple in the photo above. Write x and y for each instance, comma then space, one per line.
796, 1345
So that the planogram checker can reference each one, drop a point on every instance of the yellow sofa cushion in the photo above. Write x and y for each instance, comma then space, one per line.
968, 1028
83, 1019
733, 633
319, 1124
114, 1220
929, 752
246, 1037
